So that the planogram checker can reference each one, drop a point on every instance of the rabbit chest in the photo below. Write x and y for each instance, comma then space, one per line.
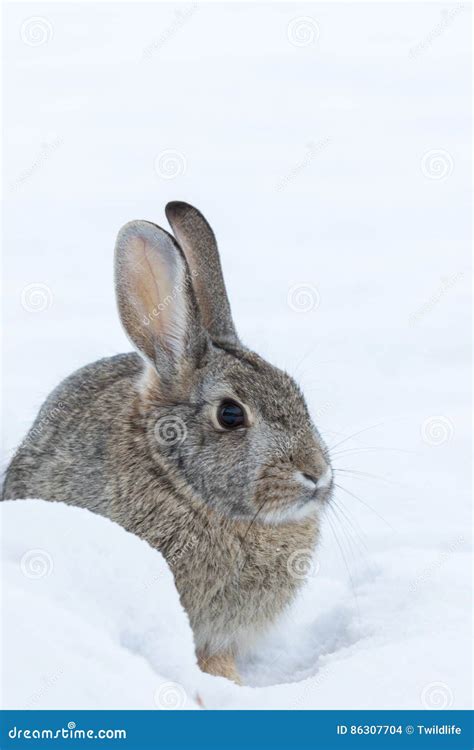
233, 580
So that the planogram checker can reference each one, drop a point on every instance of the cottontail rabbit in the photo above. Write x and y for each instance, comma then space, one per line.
194, 443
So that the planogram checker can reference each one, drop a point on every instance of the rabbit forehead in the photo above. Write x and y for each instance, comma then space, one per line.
260, 386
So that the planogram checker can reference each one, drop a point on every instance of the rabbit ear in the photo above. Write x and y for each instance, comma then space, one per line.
199, 245
155, 298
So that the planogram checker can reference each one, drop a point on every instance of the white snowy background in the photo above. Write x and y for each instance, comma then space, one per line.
329, 147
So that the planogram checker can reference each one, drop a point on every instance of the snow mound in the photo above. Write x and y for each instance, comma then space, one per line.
92, 616
92, 619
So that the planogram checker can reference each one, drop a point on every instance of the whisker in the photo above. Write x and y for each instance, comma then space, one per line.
354, 434
357, 474
300, 361
353, 540
345, 560
254, 518
372, 448
358, 537
352, 494
348, 541
351, 521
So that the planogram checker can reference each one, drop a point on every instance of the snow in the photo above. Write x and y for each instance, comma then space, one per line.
92, 619
92, 612
334, 174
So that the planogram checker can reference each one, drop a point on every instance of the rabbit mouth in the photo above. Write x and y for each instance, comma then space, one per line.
294, 497
292, 512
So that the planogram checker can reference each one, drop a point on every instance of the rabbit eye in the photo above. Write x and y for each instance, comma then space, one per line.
230, 415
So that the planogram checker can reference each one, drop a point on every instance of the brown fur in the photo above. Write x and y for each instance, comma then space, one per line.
221, 665
226, 509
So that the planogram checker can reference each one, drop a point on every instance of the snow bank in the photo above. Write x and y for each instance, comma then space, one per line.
92, 619
370, 230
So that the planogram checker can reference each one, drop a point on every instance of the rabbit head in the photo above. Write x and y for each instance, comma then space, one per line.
228, 427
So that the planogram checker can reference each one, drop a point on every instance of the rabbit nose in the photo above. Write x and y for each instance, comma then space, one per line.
309, 479
325, 479
316, 482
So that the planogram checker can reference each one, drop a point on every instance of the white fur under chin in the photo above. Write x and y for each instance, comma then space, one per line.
291, 513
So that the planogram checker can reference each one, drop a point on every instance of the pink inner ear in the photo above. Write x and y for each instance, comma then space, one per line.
152, 277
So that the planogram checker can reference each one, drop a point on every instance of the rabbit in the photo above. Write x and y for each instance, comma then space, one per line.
193, 442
